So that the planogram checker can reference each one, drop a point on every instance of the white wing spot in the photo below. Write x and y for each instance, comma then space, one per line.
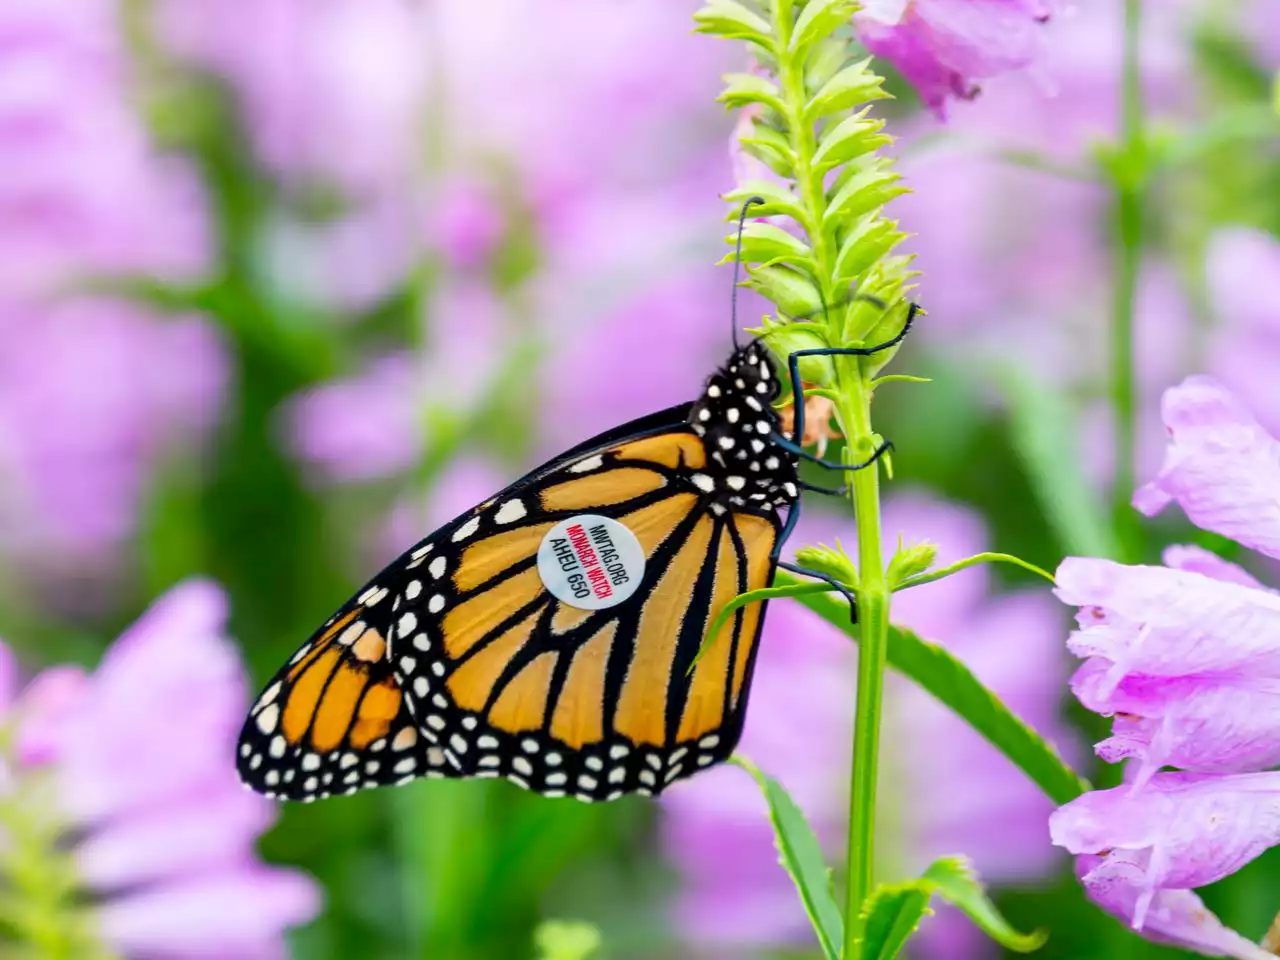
587, 782
348, 761
529, 745
310, 784
647, 778
553, 759
762, 388
408, 623
487, 743
732, 414
735, 483
587, 465
311, 762
790, 488
510, 512
405, 766
703, 482
435, 604
726, 443
617, 774
371, 596
458, 743
556, 779
269, 694
521, 765
753, 403
421, 551
408, 664
422, 642
466, 530
372, 766
413, 589
352, 633
435, 722
762, 426
704, 414
268, 718
271, 778
594, 763
437, 567
713, 391
490, 760
618, 751
771, 463
277, 747
405, 739
421, 687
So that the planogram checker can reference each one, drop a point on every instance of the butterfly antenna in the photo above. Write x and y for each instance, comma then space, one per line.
737, 269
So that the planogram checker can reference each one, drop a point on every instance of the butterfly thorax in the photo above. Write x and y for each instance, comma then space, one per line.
746, 467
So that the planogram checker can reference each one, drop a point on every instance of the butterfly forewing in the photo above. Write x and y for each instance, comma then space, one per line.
512, 680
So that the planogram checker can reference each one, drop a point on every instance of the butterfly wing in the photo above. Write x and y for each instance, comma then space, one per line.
333, 720
510, 680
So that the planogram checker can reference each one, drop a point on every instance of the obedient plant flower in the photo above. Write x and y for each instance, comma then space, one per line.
125, 829
945, 46
945, 790
1186, 658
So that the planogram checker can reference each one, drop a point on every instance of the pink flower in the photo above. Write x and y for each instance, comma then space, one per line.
1222, 467
138, 757
1181, 831
1186, 657
93, 395
944, 788
945, 46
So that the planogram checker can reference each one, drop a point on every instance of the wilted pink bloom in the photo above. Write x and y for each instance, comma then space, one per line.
139, 760
944, 789
1180, 831
945, 46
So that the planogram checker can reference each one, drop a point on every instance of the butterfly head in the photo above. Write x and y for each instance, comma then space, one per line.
735, 418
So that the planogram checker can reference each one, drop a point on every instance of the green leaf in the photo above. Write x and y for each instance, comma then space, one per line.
790, 291
772, 147
801, 856
894, 911
865, 245
733, 21
1044, 428
765, 243
744, 88
566, 940
778, 199
891, 915
954, 879
818, 20
852, 137
865, 190
851, 87
955, 686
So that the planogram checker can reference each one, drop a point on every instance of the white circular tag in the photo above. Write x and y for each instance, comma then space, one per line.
591, 562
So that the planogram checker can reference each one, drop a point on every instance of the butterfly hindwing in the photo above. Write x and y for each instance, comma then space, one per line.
333, 720
510, 680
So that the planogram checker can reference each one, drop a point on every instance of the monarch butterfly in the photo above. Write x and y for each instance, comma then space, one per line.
549, 634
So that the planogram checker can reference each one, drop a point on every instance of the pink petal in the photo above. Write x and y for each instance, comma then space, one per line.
48, 709
166, 705
239, 913
1209, 564
1169, 622
217, 830
1222, 467
1177, 917
1223, 724
1185, 830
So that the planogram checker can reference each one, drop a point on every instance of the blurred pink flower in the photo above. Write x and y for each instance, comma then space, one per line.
93, 395
81, 189
944, 790
943, 47
376, 423
333, 90
1242, 276
138, 759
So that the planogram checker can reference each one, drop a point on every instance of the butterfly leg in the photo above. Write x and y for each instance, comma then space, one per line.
827, 578
792, 447
840, 491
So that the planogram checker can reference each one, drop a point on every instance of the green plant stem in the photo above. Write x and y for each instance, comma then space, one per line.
854, 412
944, 572
1129, 178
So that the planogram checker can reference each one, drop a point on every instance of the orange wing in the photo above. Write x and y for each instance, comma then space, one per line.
510, 680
